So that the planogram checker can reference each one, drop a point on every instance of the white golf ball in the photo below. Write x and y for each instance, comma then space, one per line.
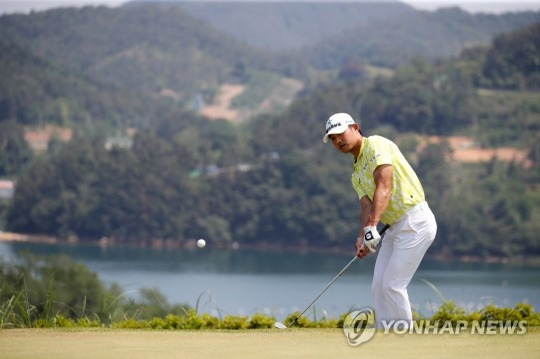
201, 243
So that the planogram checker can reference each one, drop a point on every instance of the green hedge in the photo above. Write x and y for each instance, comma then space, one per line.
448, 311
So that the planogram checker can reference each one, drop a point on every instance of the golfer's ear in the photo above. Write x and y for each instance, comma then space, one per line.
357, 128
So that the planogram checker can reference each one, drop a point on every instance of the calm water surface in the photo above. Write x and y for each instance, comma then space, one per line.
242, 282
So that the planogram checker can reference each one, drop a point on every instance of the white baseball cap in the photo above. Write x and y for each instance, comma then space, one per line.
337, 123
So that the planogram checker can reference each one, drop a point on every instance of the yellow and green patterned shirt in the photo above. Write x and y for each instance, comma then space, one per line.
407, 191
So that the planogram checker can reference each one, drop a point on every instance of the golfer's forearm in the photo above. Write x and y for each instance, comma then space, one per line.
380, 202
365, 210
383, 188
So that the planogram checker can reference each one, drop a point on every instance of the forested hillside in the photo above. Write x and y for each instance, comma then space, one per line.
147, 49
387, 33
269, 180
35, 90
512, 62
163, 51
434, 35
284, 26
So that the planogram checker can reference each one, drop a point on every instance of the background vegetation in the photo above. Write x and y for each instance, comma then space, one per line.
55, 291
269, 180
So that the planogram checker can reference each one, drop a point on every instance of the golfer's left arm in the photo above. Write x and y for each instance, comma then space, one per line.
383, 176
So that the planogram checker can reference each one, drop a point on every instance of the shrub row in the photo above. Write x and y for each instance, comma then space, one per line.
448, 311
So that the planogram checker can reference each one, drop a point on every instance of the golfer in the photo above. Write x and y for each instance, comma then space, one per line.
389, 192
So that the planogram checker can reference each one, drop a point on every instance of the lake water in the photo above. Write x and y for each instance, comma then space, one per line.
241, 282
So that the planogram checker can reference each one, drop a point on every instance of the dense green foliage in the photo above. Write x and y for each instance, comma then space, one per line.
14, 151
421, 98
35, 91
512, 62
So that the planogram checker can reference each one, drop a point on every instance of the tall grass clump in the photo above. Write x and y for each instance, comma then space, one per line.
56, 291
36, 290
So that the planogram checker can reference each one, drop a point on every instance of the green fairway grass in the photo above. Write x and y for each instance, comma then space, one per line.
293, 343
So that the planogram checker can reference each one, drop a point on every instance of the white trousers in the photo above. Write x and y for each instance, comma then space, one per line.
403, 247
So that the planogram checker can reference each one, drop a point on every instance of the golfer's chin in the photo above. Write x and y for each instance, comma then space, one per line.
345, 149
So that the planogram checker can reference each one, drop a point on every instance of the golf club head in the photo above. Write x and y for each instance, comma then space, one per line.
280, 325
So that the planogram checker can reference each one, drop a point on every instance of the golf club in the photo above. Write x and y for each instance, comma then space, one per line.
280, 325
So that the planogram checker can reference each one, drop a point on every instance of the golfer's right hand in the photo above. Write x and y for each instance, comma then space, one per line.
361, 249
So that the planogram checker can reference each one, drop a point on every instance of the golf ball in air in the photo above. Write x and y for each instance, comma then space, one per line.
201, 243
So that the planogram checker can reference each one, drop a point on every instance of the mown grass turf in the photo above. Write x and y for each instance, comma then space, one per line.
293, 343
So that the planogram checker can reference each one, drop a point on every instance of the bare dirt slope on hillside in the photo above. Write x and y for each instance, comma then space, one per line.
464, 149
221, 108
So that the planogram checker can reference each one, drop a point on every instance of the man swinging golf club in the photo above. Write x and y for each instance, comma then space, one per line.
391, 193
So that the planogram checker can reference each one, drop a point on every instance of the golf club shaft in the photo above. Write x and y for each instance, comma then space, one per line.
333, 280
324, 290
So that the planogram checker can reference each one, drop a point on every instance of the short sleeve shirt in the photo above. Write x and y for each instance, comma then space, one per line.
407, 190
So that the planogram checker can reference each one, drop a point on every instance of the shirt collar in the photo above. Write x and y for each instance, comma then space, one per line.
356, 160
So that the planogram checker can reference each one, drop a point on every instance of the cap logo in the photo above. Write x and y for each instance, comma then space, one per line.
333, 126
